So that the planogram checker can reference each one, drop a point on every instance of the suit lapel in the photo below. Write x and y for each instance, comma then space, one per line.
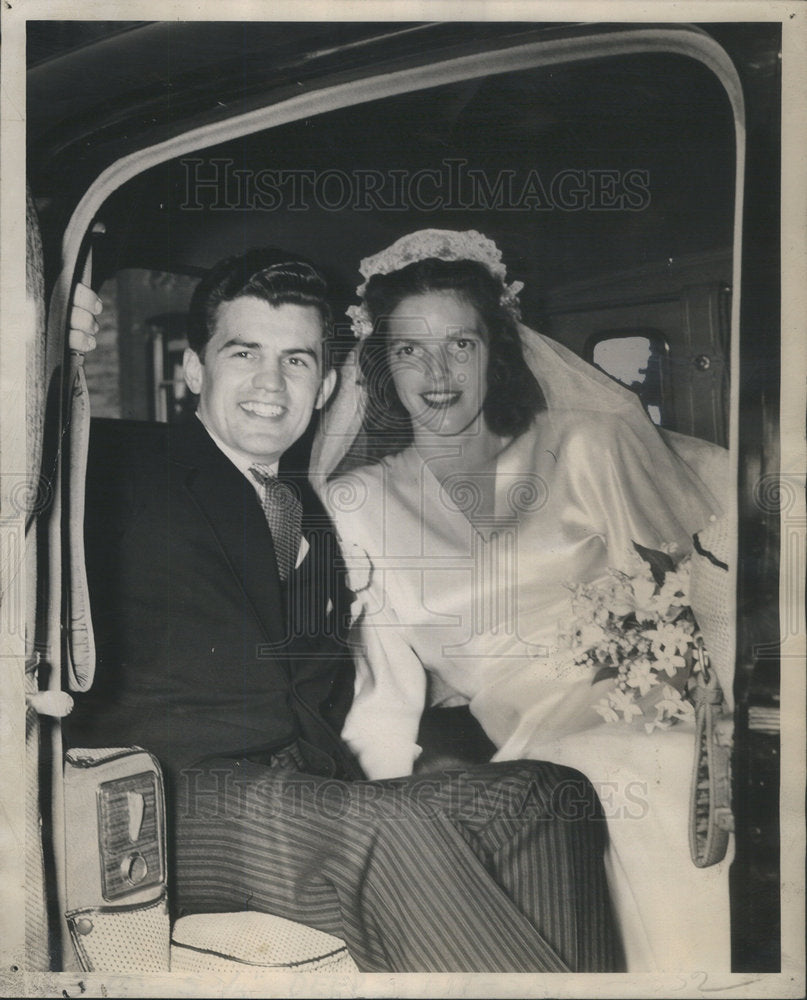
229, 505
308, 586
323, 600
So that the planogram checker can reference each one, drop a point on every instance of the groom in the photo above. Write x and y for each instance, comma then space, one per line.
221, 612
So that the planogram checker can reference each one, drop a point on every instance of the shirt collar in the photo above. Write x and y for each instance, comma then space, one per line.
241, 462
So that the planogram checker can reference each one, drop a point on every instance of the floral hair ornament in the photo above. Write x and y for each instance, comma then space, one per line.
439, 244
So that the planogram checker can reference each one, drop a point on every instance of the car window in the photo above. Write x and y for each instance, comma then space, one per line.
136, 370
637, 359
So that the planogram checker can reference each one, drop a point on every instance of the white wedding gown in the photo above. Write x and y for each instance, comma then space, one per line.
476, 607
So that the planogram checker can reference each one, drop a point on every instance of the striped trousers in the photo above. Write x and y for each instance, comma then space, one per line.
496, 868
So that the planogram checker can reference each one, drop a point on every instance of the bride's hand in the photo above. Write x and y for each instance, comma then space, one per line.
83, 324
429, 763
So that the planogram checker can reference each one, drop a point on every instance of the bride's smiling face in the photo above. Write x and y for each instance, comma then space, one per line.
438, 357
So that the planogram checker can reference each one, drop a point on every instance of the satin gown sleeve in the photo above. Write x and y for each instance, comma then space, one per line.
390, 683
390, 693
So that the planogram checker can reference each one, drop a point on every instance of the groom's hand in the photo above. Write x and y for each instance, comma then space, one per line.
83, 324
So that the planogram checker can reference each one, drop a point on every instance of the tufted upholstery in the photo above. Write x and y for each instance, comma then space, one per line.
714, 560
226, 942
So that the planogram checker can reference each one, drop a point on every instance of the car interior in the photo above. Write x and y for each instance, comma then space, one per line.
607, 165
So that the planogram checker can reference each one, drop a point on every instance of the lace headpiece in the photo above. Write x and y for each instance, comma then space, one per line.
442, 244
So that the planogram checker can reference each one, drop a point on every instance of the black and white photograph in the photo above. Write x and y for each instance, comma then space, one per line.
402, 497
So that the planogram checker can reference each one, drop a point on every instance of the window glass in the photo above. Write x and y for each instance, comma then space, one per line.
639, 363
136, 370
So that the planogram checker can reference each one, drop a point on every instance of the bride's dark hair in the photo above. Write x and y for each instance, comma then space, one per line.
513, 396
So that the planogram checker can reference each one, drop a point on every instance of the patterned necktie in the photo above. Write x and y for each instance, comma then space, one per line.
284, 515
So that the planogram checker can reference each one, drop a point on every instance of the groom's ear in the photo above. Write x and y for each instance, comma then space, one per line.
192, 370
326, 388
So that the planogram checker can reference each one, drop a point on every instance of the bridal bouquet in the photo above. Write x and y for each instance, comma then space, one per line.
638, 628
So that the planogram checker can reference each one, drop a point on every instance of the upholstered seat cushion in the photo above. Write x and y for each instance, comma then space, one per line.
220, 942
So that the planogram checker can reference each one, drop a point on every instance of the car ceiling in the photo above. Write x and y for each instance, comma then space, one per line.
621, 118
664, 114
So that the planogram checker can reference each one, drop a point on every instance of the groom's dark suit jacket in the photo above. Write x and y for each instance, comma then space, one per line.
201, 651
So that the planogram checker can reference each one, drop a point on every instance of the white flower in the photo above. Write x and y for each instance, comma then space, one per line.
671, 706
620, 595
672, 638
670, 665
628, 626
623, 702
604, 709
641, 676
358, 565
588, 635
674, 592
645, 597
360, 321
357, 608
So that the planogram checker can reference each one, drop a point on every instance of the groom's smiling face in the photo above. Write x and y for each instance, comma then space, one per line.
261, 376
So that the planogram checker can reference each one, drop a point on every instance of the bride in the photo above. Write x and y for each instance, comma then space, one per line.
482, 472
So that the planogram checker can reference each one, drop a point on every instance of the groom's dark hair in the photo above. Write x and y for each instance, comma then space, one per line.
270, 274
513, 396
